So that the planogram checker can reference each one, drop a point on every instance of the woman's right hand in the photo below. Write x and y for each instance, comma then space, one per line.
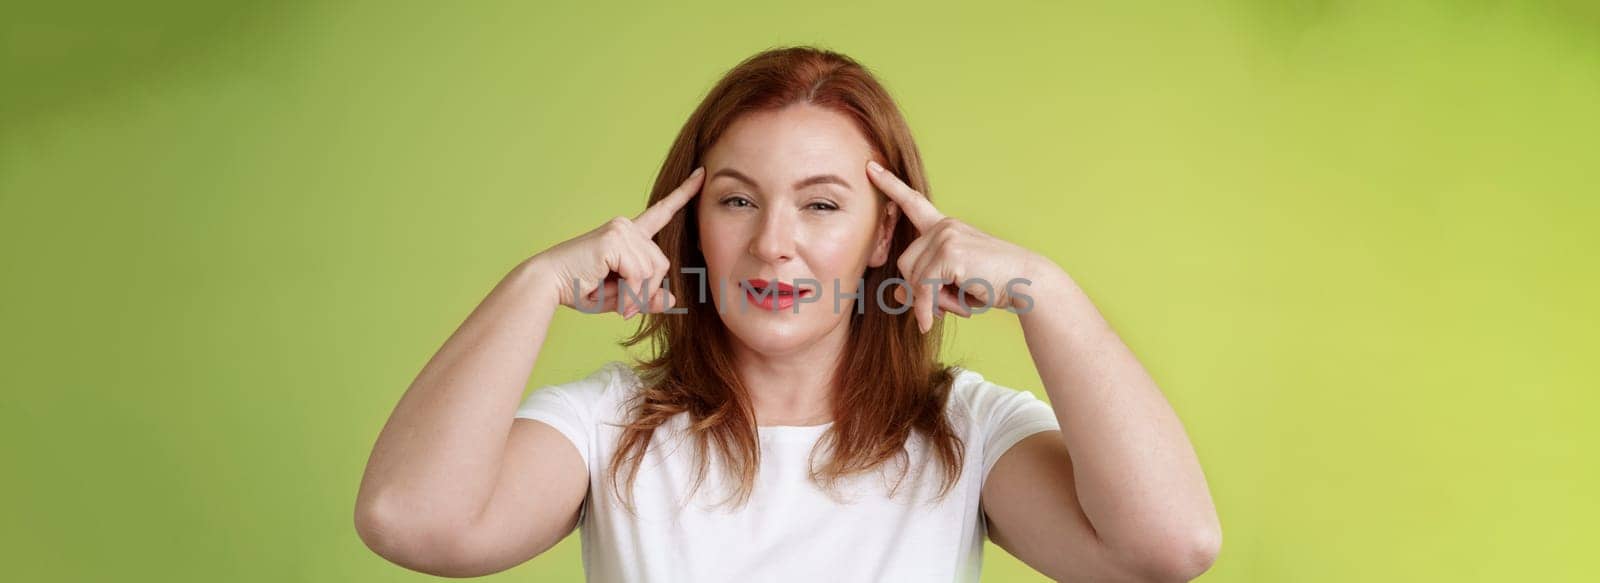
621, 250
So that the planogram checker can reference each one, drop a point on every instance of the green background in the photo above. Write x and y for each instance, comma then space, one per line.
1355, 243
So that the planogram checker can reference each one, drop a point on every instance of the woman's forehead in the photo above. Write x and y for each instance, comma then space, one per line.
784, 146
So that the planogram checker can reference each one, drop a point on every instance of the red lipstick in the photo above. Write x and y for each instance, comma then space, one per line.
780, 296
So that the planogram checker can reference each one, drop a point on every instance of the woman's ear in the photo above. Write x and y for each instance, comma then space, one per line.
884, 234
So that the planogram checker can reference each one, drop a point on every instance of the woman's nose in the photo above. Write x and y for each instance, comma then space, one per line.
774, 241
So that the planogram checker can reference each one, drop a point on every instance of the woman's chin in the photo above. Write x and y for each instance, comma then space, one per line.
775, 337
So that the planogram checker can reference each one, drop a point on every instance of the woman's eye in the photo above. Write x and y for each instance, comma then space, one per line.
822, 206
736, 202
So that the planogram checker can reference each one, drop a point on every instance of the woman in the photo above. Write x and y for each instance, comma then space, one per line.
793, 423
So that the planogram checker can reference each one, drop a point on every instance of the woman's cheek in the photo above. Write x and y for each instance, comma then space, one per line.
835, 249
720, 241
717, 252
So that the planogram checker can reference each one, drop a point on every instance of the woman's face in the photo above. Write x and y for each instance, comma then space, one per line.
787, 199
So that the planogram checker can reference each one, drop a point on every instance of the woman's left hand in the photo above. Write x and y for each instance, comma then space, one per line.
970, 268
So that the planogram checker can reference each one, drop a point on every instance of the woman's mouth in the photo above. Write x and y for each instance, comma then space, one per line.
774, 295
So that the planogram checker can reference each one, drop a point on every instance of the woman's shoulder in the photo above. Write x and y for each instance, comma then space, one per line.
975, 397
968, 388
997, 416
610, 382
618, 375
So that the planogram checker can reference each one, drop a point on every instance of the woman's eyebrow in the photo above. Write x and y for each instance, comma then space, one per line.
821, 179
804, 182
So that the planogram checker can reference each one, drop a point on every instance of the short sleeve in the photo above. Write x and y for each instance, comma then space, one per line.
1008, 415
570, 407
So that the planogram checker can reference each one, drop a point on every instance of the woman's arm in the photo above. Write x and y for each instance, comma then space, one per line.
1120, 483
1117, 494
435, 466
457, 485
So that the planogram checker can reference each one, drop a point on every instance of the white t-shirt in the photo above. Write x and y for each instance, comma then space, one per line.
790, 529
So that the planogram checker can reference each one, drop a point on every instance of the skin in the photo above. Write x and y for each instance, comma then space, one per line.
457, 487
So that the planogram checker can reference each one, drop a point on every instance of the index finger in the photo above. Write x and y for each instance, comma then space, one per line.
660, 213
917, 208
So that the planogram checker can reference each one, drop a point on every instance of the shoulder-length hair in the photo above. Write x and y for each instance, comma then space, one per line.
890, 384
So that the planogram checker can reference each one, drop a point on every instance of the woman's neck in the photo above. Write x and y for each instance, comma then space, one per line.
793, 388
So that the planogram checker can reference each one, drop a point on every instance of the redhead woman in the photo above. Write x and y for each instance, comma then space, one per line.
793, 421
